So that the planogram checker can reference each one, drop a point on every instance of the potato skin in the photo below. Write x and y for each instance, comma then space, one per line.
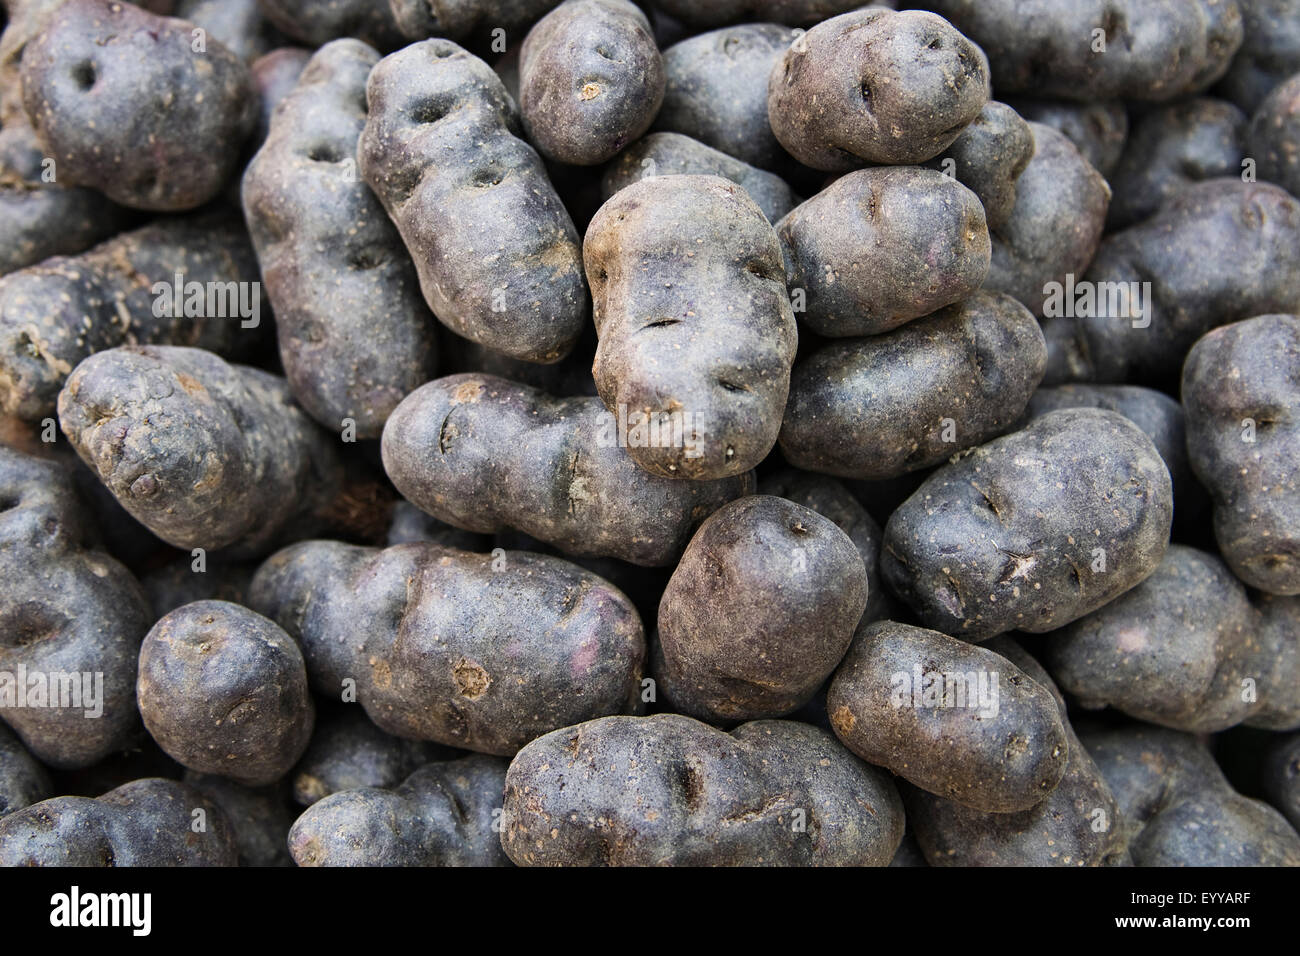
715, 13
444, 647
875, 87
275, 75
143, 119
671, 154
355, 334
716, 91
441, 815
1274, 134
1254, 269
1270, 51
464, 20
693, 318
591, 80
878, 407
1002, 762
485, 454
259, 817
498, 257
67, 608
223, 690
314, 23
202, 453
143, 823
1097, 130
23, 781
1179, 809
1154, 52
1005, 537
1281, 776
671, 791
988, 156
1242, 398
761, 608
881, 247
1177, 650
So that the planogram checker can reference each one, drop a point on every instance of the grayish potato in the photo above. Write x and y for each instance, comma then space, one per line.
259, 817
314, 23
1097, 130
715, 13
23, 781
988, 157
1274, 136
1270, 51
1281, 776
465, 20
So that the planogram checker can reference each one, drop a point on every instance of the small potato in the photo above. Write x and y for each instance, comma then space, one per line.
259, 817
1274, 136
876, 86
123, 103
1242, 397
1217, 252
1032, 530
670, 791
591, 80
314, 23
464, 20
761, 608
185, 580
881, 247
696, 329
1097, 130
479, 651
223, 690
671, 154
23, 781
881, 406
444, 814
498, 257
988, 157
1270, 51
485, 454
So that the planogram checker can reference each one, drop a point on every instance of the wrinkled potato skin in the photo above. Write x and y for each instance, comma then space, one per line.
1004, 763
760, 610
23, 781
875, 87
716, 91
441, 815
442, 151
988, 157
142, 823
591, 80
1274, 136
1239, 377
44, 308
348, 752
670, 791
445, 648
355, 335
1178, 808
66, 608
693, 318
1177, 649
878, 407
202, 453
970, 549
223, 690
881, 247
485, 454
123, 104
315, 23
1254, 229
671, 154
1154, 51
1097, 130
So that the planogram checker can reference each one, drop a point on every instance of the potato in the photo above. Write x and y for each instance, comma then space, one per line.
496, 252
794, 12
591, 80
1077, 824
202, 453
275, 75
1281, 774
184, 581
23, 781
670, 791
1274, 136
314, 23
761, 608
146, 119
692, 261
355, 335
477, 20
875, 87
957, 720
1034, 529
988, 156
881, 247
444, 814
1055, 226
479, 651
236, 24
1270, 51
224, 691
671, 154
716, 91
143, 823
72, 619
1217, 252
1183, 649
881, 406
485, 454
1101, 49
1242, 398
1169, 149
258, 816
1180, 810
1097, 130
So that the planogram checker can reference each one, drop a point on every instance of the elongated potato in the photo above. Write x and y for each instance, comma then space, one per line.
988, 157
